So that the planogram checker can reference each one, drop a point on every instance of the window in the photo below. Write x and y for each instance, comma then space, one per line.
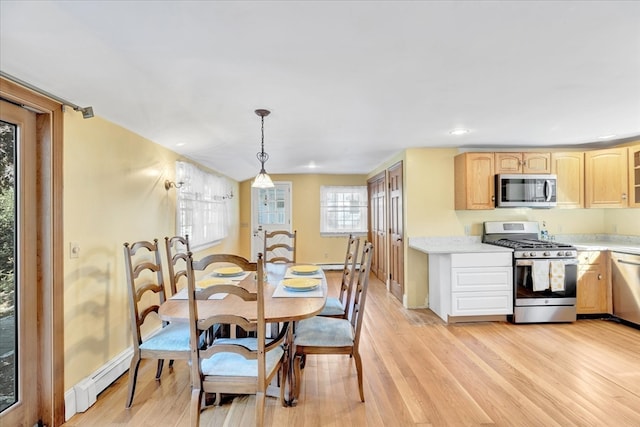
201, 211
343, 210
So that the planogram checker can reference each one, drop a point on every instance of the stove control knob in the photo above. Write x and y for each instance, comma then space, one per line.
533, 254
560, 253
547, 254
567, 253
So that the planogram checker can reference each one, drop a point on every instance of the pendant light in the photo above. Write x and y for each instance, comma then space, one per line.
262, 179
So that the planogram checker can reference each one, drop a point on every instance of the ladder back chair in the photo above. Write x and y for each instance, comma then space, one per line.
227, 365
144, 277
337, 307
328, 335
280, 246
176, 266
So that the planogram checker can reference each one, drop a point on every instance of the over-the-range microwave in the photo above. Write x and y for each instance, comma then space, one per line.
526, 190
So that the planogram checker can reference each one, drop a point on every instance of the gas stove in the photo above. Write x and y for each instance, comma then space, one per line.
545, 272
534, 248
522, 237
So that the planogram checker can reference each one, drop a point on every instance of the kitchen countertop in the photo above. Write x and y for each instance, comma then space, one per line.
602, 242
453, 244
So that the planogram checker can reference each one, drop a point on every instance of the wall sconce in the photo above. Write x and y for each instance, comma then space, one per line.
168, 184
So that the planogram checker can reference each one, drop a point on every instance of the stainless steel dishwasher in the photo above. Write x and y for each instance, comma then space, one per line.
625, 281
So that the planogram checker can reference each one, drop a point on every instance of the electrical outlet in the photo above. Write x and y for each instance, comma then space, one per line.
467, 230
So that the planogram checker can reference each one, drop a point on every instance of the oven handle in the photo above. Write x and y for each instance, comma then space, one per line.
523, 262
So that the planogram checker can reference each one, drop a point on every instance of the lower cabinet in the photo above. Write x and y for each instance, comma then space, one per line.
593, 293
470, 284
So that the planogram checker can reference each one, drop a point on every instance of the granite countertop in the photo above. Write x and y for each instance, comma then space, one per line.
602, 242
453, 244
467, 244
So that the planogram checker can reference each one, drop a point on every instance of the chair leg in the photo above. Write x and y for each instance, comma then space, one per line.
358, 360
159, 370
260, 401
297, 377
133, 375
196, 398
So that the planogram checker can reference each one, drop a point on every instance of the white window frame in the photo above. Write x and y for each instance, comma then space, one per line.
201, 208
335, 201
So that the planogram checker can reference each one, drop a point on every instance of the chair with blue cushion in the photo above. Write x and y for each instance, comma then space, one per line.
336, 307
328, 335
233, 365
143, 268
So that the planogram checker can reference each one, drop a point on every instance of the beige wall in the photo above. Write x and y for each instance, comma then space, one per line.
305, 216
113, 193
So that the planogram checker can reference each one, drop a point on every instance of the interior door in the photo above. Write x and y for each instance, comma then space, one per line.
271, 210
19, 368
377, 231
396, 243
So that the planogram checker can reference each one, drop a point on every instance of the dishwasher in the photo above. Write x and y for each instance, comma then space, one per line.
625, 282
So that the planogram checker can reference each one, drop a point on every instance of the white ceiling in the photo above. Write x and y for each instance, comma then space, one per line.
349, 83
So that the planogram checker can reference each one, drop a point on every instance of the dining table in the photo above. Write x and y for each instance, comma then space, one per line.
280, 305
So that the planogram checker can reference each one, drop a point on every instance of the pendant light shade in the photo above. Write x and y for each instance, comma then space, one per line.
262, 180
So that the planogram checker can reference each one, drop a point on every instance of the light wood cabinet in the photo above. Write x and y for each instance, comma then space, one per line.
634, 176
593, 291
569, 168
606, 178
474, 181
522, 162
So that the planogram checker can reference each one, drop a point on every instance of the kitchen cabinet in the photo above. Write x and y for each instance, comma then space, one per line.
471, 284
634, 176
593, 293
474, 181
522, 162
569, 168
606, 178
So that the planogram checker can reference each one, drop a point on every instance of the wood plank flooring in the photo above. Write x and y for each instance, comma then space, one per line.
421, 372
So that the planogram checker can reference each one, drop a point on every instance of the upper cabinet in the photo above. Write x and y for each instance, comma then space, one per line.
569, 167
474, 181
606, 178
522, 163
634, 176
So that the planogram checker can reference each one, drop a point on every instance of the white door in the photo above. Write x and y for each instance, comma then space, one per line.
270, 210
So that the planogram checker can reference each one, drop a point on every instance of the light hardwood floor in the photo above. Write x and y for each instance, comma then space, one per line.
419, 371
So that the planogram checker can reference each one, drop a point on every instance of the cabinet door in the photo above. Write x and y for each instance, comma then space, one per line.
593, 288
474, 181
634, 176
569, 167
508, 162
591, 293
607, 179
536, 162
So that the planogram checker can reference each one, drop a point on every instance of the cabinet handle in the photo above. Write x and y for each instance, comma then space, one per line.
624, 196
493, 198
599, 276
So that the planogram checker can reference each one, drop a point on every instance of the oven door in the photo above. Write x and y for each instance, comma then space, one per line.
525, 293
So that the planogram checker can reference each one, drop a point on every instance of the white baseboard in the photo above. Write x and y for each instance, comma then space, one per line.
84, 394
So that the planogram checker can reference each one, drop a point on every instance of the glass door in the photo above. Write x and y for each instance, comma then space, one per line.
271, 210
18, 296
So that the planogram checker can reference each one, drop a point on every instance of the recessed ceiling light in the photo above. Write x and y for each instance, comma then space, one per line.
312, 165
607, 136
179, 144
459, 132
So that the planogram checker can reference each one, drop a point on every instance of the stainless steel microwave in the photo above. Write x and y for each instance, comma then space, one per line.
526, 190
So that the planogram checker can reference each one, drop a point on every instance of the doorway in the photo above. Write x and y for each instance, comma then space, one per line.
270, 210
37, 394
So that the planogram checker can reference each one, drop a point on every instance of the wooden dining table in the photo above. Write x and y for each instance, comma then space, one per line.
276, 309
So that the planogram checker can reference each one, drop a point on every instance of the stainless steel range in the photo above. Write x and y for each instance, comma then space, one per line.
545, 272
